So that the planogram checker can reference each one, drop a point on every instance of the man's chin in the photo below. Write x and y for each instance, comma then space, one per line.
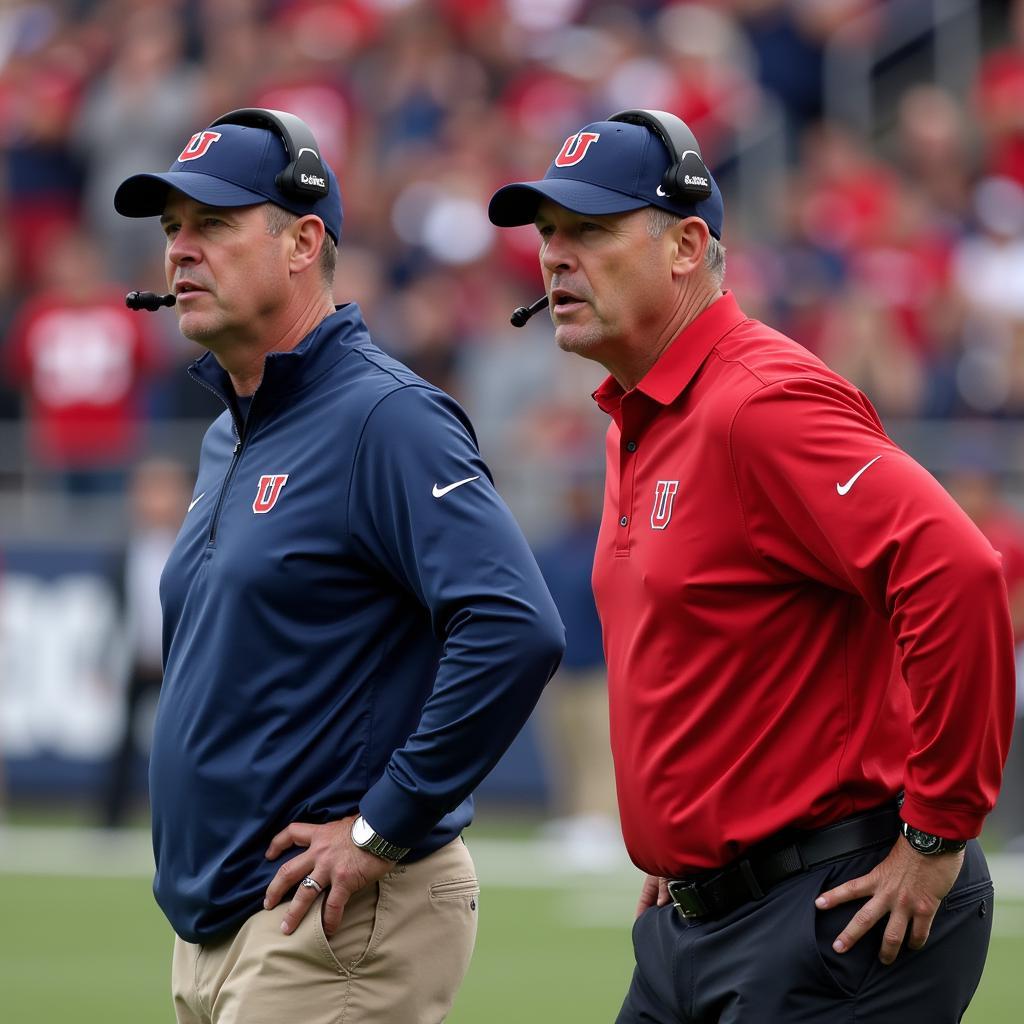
577, 338
196, 327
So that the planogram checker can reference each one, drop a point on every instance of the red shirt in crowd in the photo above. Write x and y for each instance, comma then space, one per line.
798, 620
82, 366
999, 97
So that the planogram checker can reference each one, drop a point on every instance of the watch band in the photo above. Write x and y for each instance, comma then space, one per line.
366, 839
929, 844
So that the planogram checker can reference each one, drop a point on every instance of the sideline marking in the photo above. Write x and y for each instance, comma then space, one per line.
502, 863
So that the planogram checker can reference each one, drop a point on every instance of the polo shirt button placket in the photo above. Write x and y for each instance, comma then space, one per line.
627, 471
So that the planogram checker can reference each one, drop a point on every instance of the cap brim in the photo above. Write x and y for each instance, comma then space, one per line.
145, 195
517, 204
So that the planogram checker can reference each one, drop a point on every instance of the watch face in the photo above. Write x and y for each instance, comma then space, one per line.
361, 831
925, 842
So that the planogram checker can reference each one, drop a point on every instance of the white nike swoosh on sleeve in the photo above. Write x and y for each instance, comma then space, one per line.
843, 488
440, 492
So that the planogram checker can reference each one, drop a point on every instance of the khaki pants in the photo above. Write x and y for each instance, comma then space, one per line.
574, 724
398, 957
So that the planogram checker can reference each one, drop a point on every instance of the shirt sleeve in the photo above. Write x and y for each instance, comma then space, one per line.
826, 495
431, 518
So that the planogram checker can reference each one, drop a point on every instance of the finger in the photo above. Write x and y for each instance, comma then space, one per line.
854, 889
303, 899
298, 833
648, 895
288, 876
920, 929
663, 896
859, 925
334, 909
892, 938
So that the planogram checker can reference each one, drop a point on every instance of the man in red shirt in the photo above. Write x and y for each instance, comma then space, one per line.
83, 362
800, 626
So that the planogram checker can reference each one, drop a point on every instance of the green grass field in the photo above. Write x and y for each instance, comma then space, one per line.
95, 950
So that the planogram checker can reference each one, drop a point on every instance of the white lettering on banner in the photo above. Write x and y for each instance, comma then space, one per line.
61, 666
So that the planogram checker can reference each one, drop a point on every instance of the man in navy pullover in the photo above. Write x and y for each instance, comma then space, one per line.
354, 627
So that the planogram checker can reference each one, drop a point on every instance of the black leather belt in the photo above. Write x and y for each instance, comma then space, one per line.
720, 892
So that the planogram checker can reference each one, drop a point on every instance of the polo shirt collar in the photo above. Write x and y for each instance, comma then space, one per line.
666, 380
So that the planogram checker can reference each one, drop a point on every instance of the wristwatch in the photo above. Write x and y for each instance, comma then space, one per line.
366, 839
928, 844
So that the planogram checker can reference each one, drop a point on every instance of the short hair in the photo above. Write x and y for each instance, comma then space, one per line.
278, 218
659, 221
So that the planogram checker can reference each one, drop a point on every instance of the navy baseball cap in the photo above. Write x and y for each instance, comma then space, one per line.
228, 165
607, 167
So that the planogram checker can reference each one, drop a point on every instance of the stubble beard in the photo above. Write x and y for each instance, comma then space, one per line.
198, 333
580, 339
201, 328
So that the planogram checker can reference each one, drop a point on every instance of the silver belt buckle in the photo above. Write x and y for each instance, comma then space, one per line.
687, 899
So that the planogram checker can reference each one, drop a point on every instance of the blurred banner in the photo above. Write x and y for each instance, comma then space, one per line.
63, 670
62, 666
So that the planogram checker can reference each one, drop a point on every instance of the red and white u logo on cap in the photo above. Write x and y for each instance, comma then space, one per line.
575, 148
198, 145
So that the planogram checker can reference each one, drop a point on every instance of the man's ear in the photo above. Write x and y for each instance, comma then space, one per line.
307, 235
690, 241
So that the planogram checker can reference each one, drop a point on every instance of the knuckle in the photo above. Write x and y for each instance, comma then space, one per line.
292, 870
863, 918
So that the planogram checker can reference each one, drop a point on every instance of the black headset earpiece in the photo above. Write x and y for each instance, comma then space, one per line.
304, 178
687, 176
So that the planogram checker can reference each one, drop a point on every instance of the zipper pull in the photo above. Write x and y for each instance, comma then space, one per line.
238, 445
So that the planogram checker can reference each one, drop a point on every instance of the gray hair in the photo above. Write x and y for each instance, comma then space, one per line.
278, 218
659, 221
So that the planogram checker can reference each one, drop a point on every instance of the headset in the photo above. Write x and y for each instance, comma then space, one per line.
687, 177
304, 179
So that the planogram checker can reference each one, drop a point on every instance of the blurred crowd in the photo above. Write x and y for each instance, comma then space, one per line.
898, 257
894, 248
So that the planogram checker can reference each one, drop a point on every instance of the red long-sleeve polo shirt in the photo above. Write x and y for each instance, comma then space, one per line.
798, 620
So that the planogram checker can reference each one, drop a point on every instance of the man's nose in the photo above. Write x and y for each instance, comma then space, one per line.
182, 249
558, 254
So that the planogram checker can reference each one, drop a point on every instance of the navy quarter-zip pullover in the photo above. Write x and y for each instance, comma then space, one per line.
352, 619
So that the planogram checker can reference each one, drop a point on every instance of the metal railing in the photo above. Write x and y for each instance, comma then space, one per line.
34, 509
952, 28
